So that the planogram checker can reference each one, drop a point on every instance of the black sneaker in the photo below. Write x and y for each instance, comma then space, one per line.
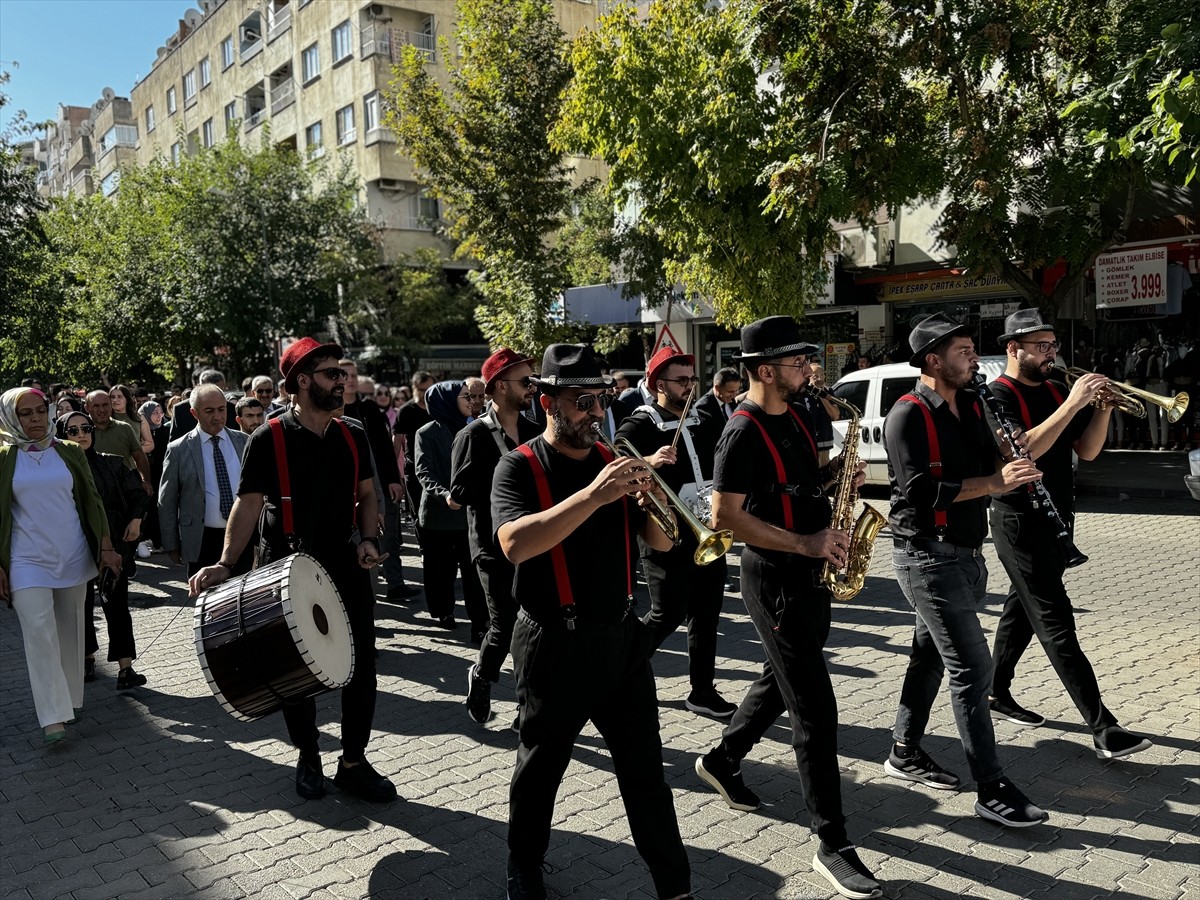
364, 782
846, 872
1115, 742
479, 695
1009, 710
447, 622
710, 703
919, 767
89, 669
1002, 802
525, 883
402, 592
127, 678
715, 770
310, 780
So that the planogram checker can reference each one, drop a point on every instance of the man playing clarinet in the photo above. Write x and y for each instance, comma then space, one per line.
1056, 421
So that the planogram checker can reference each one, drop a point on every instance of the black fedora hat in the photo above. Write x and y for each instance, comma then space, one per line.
571, 366
772, 338
929, 332
1023, 321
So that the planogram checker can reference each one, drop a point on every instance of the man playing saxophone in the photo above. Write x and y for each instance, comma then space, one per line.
769, 489
1057, 421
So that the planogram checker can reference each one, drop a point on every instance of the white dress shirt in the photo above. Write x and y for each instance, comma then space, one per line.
212, 492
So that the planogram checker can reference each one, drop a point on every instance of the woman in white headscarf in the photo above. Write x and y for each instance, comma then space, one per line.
53, 537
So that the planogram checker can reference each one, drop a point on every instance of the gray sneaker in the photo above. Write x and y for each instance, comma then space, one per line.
846, 872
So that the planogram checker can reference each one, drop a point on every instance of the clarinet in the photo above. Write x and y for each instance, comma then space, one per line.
1039, 497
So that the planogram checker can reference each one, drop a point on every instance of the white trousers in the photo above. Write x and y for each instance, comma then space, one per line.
52, 629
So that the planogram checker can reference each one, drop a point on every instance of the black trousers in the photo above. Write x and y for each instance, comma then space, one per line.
211, 546
116, 616
682, 591
597, 672
496, 576
447, 553
1037, 604
792, 619
353, 585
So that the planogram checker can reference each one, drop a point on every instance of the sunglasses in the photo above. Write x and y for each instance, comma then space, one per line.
76, 430
527, 382
584, 402
264, 392
333, 373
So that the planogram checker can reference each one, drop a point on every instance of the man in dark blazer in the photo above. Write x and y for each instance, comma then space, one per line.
718, 402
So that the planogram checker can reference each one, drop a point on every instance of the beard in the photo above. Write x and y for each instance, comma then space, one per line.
1034, 372
789, 394
578, 436
326, 400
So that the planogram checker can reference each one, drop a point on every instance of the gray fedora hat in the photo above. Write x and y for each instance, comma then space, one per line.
928, 333
1022, 322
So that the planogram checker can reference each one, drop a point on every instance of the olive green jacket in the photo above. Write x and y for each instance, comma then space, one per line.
87, 500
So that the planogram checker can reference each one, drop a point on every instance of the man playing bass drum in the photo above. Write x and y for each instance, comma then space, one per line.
680, 589
769, 490
1057, 421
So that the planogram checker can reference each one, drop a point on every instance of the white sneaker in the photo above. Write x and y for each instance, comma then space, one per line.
143, 550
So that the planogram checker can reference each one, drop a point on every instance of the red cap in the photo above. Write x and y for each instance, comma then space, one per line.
298, 353
499, 362
663, 358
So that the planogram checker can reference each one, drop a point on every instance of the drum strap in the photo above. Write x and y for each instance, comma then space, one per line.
285, 480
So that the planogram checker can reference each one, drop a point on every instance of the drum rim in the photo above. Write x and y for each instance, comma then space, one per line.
198, 639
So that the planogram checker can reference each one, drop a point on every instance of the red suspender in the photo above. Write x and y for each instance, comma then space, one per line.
788, 517
1026, 419
799, 421
935, 453
285, 480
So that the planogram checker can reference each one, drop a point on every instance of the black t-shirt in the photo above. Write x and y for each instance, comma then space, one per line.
822, 424
324, 490
1057, 476
745, 465
473, 460
968, 450
409, 420
598, 567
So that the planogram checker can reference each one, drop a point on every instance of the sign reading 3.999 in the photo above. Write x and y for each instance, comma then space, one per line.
1132, 277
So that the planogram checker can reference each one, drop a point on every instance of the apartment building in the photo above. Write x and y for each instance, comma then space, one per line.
314, 70
51, 151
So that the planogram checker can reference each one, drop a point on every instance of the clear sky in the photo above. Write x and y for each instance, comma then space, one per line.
68, 51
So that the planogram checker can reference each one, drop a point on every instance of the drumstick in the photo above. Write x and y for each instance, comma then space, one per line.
686, 407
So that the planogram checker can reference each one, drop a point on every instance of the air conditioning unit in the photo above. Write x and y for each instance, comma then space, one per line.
391, 184
883, 244
854, 248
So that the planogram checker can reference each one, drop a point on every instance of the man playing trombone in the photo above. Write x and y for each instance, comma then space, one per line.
681, 450
1057, 420
565, 516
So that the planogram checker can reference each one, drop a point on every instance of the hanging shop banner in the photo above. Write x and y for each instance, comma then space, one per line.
1131, 278
951, 287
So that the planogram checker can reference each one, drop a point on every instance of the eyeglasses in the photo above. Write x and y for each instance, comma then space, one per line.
683, 381
526, 382
791, 365
584, 402
75, 430
1043, 346
333, 373
474, 399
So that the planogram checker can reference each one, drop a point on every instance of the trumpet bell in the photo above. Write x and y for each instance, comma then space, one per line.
1131, 400
713, 545
1179, 405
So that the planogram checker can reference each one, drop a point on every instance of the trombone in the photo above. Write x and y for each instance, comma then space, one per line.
711, 545
1130, 400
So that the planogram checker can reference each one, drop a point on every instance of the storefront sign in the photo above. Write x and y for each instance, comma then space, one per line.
836, 357
998, 310
950, 287
1132, 278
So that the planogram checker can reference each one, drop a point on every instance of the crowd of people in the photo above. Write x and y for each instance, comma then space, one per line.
545, 489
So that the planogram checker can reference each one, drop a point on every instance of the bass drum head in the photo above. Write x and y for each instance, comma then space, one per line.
318, 621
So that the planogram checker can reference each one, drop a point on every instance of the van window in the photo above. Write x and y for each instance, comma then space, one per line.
892, 389
854, 392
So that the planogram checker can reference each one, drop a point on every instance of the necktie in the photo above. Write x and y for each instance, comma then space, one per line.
223, 485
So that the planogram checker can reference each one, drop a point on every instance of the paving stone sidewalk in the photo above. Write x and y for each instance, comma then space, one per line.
157, 793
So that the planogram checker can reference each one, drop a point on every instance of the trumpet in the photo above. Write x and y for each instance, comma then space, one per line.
1130, 400
710, 545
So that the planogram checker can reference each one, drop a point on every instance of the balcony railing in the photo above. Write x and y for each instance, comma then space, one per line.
374, 135
426, 43
414, 223
256, 118
376, 41
281, 22
282, 95
250, 50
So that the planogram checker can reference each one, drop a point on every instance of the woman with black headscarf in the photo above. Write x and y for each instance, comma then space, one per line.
447, 549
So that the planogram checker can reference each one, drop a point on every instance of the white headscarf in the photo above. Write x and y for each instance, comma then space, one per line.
11, 431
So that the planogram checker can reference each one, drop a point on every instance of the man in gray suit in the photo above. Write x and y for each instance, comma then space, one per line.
199, 484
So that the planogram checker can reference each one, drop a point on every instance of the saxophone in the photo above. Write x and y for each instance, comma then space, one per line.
862, 535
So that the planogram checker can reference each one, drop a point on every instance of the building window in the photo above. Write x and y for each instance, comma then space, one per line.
227, 52
427, 207
109, 185
175, 153
371, 112
345, 125
208, 134
205, 73
171, 100
189, 86
149, 118
341, 41
118, 136
230, 115
310, 63
312, 140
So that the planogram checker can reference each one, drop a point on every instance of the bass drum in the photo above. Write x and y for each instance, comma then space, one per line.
278, 634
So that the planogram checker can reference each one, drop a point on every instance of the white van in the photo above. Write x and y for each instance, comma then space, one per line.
874, 391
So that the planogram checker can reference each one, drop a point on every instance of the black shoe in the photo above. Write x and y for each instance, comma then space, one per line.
477, 636
479, 695
846, 872
710, 703
403, 592
364, 782
127, 678
920, 768
525, 883
89, 670
715, 770
1009, 710
1002, 802
310, 780
1115, 742
447, 622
